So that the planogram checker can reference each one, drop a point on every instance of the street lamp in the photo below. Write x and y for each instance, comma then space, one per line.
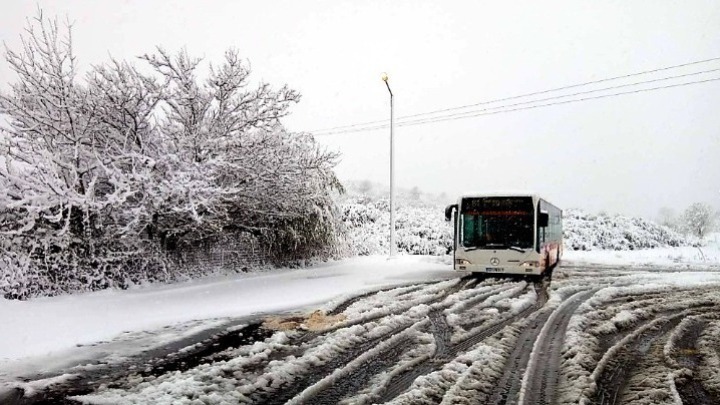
384, 78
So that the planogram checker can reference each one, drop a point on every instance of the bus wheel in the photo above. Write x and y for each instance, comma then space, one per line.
549, 269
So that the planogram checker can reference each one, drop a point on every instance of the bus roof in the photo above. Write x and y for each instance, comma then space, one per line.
501, 193
508, 193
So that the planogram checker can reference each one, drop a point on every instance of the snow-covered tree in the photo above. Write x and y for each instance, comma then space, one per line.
60, 153
106, 175
698, 219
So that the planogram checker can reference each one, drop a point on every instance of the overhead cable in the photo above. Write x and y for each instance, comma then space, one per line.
487, 111
385, 121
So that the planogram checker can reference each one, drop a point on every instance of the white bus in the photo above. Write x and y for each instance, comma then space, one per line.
505, 234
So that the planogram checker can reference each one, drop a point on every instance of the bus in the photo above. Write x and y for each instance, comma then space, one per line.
505, 233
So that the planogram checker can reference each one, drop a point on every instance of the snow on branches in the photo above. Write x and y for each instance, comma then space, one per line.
103, 178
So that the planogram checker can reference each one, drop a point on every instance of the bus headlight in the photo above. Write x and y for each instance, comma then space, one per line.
530, 264
462, 261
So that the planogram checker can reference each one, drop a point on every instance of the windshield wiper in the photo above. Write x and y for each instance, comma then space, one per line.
505, 246
495, 245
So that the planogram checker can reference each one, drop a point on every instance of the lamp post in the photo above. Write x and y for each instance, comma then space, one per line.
392, 169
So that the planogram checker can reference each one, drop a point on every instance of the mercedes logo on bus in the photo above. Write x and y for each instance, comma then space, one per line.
494, 261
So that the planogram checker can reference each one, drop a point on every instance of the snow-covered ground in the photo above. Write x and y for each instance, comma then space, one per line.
54, 333
465, 377
43, 334
707, 255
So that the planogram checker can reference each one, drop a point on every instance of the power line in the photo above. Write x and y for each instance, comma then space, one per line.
484, 112
581, 84
521, 96
575, 94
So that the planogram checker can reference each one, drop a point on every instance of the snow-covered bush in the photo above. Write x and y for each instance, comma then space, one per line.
105, 179
421, 228
582, 231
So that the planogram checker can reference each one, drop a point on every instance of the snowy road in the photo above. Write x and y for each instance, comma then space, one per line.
594, 335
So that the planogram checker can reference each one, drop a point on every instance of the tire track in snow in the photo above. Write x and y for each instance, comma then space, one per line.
345, 383
442, 333
542, 298
631, 321
286, 392
543, 372
404, 380
509, 385
476, 324
409, 288
687, 355
463, 283
300, 344
610, 340
618, 363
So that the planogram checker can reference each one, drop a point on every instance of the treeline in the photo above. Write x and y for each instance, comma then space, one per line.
105, 176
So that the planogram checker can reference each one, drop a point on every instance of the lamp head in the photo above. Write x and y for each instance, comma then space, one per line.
384, 77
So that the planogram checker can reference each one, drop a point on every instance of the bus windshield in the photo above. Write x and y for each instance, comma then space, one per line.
497, 222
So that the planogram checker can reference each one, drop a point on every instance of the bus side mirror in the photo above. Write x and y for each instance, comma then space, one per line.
448, 211
543, 219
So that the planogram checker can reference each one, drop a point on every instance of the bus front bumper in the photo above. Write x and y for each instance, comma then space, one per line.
506, 268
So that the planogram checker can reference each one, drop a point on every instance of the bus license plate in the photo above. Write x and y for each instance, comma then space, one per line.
494, 269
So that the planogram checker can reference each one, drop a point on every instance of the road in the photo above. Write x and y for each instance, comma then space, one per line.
594, 335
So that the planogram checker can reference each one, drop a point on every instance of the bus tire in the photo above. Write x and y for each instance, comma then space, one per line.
549, 268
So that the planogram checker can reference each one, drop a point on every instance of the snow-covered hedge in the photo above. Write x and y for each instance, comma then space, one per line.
584, 231
110, 178
421, 228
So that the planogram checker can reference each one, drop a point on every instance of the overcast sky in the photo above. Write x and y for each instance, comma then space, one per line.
630, 154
